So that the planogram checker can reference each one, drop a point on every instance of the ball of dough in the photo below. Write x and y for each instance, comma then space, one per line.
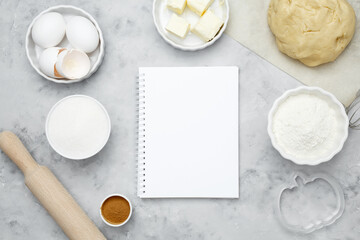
312, 31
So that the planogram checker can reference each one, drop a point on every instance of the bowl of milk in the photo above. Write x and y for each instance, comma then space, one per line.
308, 125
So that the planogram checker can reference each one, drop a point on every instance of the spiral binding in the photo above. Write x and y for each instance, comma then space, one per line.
140, 151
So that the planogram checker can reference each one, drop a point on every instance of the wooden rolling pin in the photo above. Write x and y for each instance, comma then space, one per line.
49, 191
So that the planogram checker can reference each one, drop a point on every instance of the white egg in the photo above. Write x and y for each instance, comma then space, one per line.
48, 30
82, 34
73, 64
48, 60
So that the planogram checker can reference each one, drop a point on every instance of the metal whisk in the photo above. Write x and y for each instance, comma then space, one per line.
353, 112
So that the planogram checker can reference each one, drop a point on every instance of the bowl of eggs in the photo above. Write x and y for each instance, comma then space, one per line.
64, 44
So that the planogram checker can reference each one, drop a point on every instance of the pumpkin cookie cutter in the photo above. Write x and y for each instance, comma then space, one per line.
300, 180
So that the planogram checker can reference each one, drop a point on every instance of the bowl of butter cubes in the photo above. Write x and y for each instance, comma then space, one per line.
191, 25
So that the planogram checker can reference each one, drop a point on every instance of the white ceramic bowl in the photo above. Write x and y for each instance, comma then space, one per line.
33, 51
116, 225
332, 100
83, 156
191, 42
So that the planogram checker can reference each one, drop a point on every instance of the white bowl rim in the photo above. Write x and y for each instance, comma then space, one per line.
47, 124
96, 65
195, 48
292, 158
116, 195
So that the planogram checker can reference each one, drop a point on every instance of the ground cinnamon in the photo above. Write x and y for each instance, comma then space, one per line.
115, 210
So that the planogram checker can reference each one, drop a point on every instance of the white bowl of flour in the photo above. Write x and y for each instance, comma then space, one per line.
78, 127
308, 125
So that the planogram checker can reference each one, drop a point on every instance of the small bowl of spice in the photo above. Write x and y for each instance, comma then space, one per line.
116, 210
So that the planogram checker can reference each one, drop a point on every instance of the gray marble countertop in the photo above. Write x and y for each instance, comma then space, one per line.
132, 41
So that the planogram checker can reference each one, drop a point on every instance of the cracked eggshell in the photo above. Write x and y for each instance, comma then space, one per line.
82, 34
73, 64
48, 60
49, 30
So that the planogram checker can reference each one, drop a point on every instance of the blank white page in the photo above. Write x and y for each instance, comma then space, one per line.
189, 146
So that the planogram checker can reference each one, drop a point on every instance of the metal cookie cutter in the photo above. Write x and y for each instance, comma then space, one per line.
310, 202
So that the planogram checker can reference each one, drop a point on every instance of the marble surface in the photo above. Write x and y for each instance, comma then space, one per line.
132, 41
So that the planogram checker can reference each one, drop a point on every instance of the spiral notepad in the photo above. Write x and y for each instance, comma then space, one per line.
188, 132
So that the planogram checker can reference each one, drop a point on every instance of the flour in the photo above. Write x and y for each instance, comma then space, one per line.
78, 127
306, 126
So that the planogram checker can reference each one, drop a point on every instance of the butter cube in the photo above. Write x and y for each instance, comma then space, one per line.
178, 26
177, 6
208, 26
199, 6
